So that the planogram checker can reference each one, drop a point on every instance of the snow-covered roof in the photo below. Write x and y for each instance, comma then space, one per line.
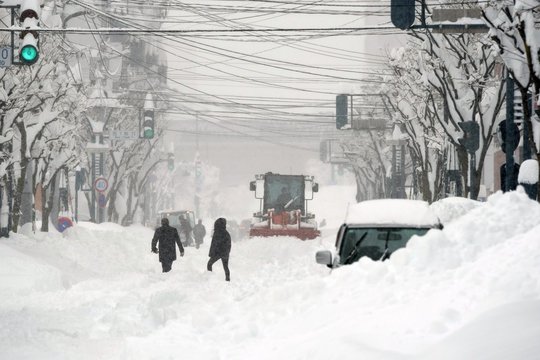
413, 213
173, 211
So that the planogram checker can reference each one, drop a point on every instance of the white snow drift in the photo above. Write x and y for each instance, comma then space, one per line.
469, 291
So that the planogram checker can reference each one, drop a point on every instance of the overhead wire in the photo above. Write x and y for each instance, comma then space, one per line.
234, 75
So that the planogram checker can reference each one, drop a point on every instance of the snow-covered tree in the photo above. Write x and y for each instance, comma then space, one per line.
417, 109
461, 69
370, 158
34, 99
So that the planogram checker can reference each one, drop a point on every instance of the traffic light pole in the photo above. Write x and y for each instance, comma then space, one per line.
472, 174
509, 180
526, 130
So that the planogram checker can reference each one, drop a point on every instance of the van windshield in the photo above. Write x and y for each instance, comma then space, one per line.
174, 217
375, 243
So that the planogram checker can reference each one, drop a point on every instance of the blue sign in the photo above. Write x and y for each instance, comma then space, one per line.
64, 223
102, 200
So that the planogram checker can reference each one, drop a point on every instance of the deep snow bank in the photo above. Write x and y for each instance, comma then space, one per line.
455, 293
20, 273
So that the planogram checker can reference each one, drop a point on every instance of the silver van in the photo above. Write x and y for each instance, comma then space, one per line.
377, 228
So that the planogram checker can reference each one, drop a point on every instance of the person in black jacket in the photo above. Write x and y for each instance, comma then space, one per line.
220, 247
166, 236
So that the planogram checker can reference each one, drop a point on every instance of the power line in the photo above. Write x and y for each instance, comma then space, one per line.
132, 31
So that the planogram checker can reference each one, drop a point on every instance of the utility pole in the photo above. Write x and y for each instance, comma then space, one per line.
198, 175
197, 132
510, 178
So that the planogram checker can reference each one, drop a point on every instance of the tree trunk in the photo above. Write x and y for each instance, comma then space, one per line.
463, 160
128, 218
426, 189
112, 214
47, 204
19, 187
45, 210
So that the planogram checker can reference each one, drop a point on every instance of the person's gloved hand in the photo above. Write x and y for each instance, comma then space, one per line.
182, 254
154, 250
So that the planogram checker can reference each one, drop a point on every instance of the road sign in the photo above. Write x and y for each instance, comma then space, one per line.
64, 223
102, 200
101, 184
5, 56
123, 134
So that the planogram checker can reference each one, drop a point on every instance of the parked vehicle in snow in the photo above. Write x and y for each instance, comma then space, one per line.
377, 228
283, 211
174, 217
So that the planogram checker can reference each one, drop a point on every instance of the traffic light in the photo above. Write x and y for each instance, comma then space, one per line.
341, 111
29, 20
170, 161
471, 135
148, 124
509, 140
402, 13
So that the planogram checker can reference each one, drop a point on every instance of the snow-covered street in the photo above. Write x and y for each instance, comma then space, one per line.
365, 175
468, 291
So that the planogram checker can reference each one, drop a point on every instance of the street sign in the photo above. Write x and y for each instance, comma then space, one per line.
123, 134
102, 200
101, 184
331, 152
93, 148
64, 223
5, 56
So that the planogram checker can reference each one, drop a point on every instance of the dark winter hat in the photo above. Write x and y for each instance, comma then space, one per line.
220, 224
164, 222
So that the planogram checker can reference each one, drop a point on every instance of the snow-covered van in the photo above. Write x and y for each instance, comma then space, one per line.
377, 228
174, 221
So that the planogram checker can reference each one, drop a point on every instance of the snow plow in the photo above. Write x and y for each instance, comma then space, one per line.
283, 209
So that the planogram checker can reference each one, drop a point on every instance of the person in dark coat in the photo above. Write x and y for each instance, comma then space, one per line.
199, 232
220, 247
165, 238
185, 228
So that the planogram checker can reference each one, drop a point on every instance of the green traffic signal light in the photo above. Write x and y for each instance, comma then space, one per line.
29, 54
148, 133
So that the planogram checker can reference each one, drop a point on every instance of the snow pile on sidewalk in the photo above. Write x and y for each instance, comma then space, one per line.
468, 291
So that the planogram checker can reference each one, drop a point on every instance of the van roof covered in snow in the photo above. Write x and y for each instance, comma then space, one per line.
390, 212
